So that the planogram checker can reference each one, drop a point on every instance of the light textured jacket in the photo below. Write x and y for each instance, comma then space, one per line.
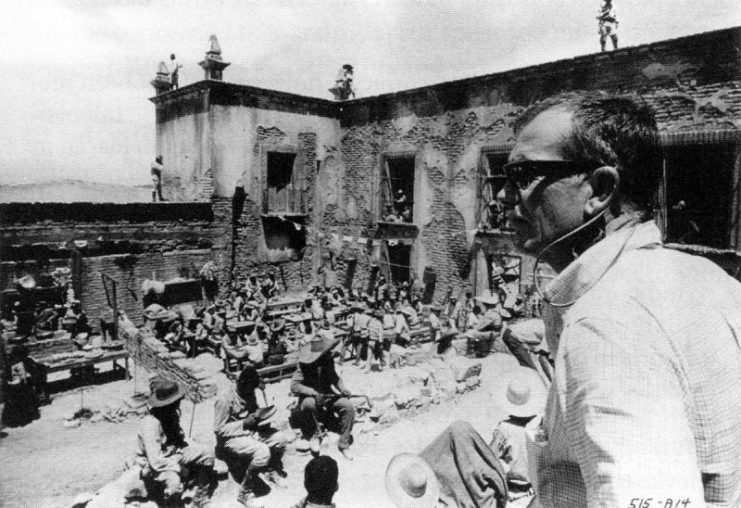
646, 398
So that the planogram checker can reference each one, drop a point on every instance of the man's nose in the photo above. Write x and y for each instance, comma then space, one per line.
508, 195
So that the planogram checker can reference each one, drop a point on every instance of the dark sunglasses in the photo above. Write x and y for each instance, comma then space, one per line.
523, 173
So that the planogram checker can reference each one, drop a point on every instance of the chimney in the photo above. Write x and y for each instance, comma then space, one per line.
161, 83
213, 64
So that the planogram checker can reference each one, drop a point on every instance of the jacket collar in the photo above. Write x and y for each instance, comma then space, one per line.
622, 235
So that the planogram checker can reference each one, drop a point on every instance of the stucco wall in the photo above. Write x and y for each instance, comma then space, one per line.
694, 83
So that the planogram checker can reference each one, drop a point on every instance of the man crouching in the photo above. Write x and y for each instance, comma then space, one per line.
244, 437
164, 455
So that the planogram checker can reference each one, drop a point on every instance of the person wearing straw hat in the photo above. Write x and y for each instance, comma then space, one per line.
523, 398
322, 393
164, 455
456, 469
358, 326
244, 436
375, 339
242, 343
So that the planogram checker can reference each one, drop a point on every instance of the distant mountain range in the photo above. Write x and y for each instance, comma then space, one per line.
74, 191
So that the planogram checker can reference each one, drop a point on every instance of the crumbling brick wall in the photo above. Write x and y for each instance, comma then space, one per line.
129, 242
694, 83
152, 355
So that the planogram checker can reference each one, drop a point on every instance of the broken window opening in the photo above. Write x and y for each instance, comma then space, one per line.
397, 190
494, 211
284, 192
399, 261
699, 191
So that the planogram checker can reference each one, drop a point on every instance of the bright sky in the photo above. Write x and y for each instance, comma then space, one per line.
75, 74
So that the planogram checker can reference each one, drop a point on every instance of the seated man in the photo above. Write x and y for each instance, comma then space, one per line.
244, 439
164, 454
242, 343
320, 482
314, 382
46, 318
489, 327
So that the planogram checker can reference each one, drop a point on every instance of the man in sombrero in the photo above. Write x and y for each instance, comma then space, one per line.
164, 455
323, 398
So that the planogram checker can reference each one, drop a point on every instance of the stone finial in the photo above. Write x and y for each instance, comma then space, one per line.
214, 45
213, 64
161, 82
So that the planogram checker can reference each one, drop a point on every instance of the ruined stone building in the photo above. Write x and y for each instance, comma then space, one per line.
306, 185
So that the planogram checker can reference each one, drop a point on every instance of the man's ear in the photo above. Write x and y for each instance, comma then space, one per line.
605, 182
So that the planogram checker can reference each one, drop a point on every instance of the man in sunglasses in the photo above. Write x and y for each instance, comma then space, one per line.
646, 392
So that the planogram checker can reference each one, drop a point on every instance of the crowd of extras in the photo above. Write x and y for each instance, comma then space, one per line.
375, 326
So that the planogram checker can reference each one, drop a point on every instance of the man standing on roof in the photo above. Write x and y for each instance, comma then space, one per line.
157, 179
646, 390
608, 25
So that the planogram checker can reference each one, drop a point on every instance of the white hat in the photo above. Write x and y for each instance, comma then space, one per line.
411, 482
488, 300
524, 395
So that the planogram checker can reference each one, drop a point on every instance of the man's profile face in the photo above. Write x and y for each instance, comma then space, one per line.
548, 207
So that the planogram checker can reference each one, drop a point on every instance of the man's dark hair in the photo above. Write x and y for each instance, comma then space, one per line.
320, 479
618, 131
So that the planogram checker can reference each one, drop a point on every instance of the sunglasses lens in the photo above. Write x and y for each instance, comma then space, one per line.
518, 175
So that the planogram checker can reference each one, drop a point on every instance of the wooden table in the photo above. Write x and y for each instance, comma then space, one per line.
45, 366
282, 307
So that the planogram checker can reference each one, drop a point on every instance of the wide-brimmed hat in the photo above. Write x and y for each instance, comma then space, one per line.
317, 347
524, 395
292, 333
165, 392
27, 282
277, 325
407, 311
448, 333
240, 326
411, 482
488, 300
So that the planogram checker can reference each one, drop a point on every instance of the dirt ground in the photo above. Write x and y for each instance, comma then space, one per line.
47, 465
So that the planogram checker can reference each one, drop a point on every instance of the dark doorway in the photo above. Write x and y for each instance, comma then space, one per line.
699, 188
400, 256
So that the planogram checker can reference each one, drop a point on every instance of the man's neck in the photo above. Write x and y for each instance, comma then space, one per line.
563, 254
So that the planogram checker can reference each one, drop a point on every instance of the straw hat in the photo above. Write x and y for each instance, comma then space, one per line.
411, 482
278, 325
488, 300
524, 395
316, 348
165, 392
